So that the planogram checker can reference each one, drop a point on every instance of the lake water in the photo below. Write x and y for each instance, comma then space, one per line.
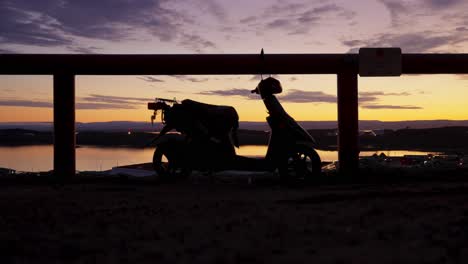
39, 158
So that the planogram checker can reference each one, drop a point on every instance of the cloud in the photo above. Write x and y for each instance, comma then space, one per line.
463, 77
397, 9
284, 8
29, 27
246, 93
297, 18
98, 106
150, 79
6, 51
422, 26
353, 42
26, 103
91, 102
248, 20
109, 19
315, 14
60, 23
426, 41
258, 77
279, 23
214, 8
189, 78
293, 96
196, 43
299, 96
437, 4
109, 99
395, 107
84, 50
367, 100
377, 93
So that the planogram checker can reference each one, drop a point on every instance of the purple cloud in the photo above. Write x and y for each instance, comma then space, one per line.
26, 103
246, 93
150, 79
59, 23
248, 20
395, 107
6, 51
297, 18
114, 99
367, 100
84, 50
258, 77
19, 25
189, 78
299, 96
397, 10
91, 102
279, 23
196, 43
214, 8
421, 42
463, 77
293, 96
378, 93
442, 3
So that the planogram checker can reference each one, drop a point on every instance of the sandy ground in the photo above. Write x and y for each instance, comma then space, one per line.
234, 222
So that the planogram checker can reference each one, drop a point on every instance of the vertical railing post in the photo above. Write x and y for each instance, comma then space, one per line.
348, 127
64, 125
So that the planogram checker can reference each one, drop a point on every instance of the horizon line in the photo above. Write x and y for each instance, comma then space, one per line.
141, 121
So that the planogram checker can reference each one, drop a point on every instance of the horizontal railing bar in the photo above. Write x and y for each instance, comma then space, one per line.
196, 64
217, 64
435, 63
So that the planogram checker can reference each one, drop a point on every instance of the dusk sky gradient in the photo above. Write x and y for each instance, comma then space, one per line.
242, 26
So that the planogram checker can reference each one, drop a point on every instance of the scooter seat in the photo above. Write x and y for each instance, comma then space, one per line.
219, 119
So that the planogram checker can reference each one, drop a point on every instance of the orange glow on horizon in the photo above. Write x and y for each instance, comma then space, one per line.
433, 97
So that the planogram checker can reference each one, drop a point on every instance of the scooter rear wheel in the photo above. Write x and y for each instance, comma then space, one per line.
300, 163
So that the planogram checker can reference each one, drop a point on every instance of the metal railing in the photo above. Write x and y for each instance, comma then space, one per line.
65, 67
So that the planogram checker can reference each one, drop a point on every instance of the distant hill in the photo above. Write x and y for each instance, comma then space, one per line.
123, 126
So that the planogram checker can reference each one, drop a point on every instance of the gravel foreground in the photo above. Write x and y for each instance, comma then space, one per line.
205, 222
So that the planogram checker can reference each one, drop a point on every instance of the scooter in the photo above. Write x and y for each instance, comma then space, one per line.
207, 135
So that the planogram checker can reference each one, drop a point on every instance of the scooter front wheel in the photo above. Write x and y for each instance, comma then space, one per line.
166, 168
300, 163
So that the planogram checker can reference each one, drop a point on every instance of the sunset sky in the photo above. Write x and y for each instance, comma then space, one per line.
241, 26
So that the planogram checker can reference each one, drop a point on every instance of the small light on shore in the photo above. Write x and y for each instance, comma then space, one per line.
129, 132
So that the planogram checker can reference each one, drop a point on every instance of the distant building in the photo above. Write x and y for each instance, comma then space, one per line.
6, 171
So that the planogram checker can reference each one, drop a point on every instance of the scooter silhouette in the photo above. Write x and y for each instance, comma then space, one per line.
208, 133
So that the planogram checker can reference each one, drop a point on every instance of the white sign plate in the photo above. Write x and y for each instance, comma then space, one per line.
379, 62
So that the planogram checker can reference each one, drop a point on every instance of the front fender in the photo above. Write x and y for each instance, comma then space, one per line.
173, 146
169, 139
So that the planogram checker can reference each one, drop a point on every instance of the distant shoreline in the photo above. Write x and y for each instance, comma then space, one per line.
449, 139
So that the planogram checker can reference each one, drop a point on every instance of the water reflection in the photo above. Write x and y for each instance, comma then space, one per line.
331, 155
39, 158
